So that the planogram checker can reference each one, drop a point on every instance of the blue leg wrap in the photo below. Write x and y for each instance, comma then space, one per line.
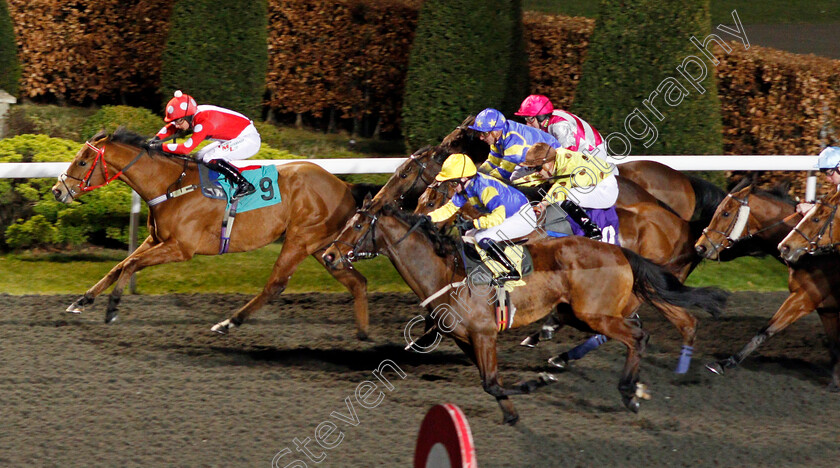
591, 343
685, 360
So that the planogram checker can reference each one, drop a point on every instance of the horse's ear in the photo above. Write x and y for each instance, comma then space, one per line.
467, 122
367, 199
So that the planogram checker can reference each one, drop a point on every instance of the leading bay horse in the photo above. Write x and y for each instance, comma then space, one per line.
315, 205
817, 233
599, 285
763, 220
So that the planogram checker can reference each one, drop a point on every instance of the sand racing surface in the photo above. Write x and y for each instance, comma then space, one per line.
157, 388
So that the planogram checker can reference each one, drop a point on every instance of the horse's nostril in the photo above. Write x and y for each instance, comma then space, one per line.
329, 258
700, 249
784, 248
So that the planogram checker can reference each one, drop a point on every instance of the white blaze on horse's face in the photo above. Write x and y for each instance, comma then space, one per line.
740, 222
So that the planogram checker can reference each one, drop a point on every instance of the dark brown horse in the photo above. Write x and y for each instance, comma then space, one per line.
594, 286
315, 206
817, 232
763, 219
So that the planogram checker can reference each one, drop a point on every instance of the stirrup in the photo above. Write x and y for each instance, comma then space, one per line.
242, 190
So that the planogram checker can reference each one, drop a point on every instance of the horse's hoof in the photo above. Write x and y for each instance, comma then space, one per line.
511, 419
362, 336
715, 367
110, 318
547, 378
75, 309
632, 404
531, 341
833, 387
560, 361
223, 327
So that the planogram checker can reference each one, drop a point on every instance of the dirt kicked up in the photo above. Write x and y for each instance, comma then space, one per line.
157, 388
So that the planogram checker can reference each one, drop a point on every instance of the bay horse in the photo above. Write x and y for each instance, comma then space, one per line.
763, 219
599, 284
315, 206
817, 233
644, 227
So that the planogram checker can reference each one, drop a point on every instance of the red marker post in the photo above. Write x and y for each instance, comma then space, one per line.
445, 440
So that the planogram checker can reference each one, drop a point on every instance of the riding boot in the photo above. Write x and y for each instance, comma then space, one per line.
590, 229
232, 174
497, 252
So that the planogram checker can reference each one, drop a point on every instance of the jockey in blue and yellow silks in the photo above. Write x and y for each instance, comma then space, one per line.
508, 214
508, 140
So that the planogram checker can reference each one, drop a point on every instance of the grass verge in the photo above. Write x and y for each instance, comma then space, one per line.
74, 273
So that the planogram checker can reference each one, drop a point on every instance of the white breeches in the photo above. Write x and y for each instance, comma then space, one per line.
519, 225
242, 147
599, 196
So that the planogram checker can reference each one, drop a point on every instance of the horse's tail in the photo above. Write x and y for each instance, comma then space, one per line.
360, 191
653, 284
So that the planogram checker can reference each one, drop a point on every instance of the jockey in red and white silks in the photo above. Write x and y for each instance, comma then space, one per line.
571, 131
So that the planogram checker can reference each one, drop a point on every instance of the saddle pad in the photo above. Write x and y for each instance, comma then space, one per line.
264, 178
558, 222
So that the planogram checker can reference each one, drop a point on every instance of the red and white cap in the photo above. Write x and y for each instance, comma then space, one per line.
182, 105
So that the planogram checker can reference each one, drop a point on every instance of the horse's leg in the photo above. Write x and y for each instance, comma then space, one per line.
686, 324
167, 252
482, 351
796, 306
78, 306
357, 285
831, 323
564, 359
549, 327
635, 338
292, 253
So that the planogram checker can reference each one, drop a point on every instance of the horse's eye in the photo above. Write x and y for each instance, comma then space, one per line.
358, 227
430, 204
725, 214
815, 219
82, 163
403, 175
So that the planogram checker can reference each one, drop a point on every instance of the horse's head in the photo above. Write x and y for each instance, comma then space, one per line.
357, 241
100, 161
731, 220
435, 196
817, 232
87, 171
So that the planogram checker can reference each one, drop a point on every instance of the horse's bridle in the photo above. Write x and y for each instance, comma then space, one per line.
422, 166
355, 253
813, 244
738, 225
99, 158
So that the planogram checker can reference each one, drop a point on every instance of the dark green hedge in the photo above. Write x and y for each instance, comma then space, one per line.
9, 65
635, 47
218, 53
461, 62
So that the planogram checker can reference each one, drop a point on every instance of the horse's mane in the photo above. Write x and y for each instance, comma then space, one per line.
444, 245
778, 192
126, 136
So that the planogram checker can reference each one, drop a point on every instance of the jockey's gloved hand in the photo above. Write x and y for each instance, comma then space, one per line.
464, 225
154, 144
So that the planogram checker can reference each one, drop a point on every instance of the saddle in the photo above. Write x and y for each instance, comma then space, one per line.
481, 269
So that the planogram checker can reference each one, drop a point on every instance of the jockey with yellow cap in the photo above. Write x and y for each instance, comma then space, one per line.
508, 140
508, 214
578, 181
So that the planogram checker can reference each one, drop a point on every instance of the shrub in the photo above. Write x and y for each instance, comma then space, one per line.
459, 64
55, 121
635, 46
136, 119
30, 216
9, 65
198, 60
